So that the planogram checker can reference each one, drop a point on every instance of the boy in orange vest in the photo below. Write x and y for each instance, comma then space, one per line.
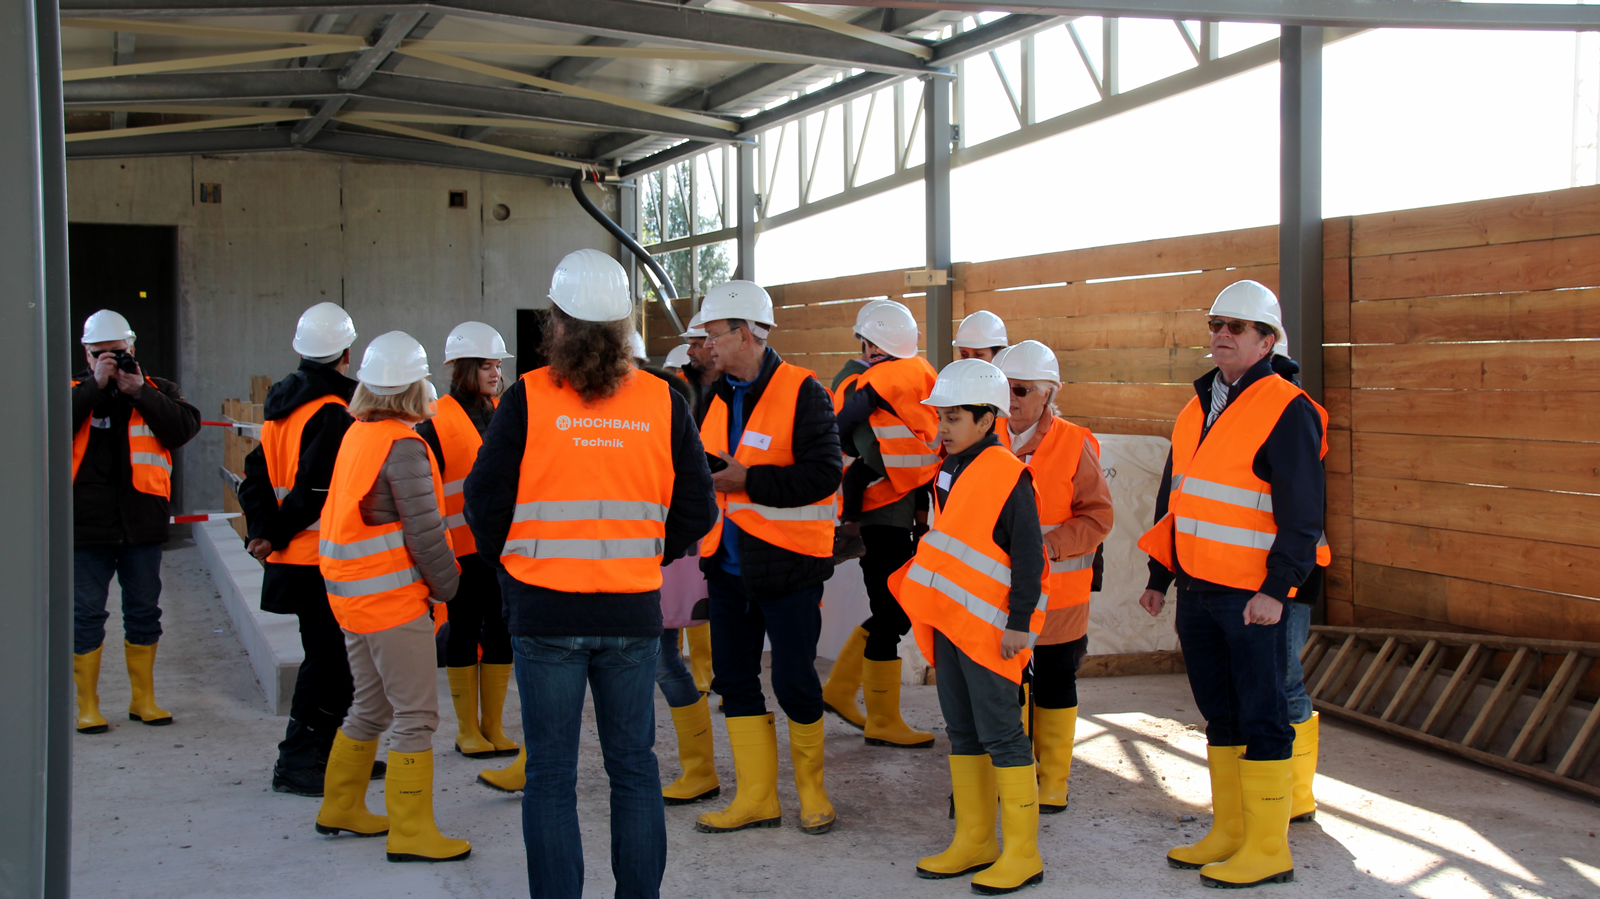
974, 593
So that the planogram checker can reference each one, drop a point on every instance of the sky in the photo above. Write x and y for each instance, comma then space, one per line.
1411, 118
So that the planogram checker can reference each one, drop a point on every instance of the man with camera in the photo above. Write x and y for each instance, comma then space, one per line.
125, 426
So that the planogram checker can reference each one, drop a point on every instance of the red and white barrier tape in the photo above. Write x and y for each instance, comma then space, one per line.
203, 516
242, 428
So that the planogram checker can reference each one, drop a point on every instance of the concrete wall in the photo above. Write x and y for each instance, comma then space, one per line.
298, 228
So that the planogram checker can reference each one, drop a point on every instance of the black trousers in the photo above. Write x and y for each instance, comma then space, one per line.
740, 623
323, 689
982, 710
888, 548
477, 615
1055, 673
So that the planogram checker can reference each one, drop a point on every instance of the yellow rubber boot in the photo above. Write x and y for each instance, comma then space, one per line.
86, 674
464, 696
408, 793
510, 779
974, 846
844, 680
805, 750
344, 790
1053, 733
699, 638
880, 683
755, 771
1306, 744
1019, 864
493, 681
1265, 789
698, 782
1227, 815
142, 682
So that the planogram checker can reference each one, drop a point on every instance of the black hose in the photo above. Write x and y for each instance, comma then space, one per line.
657, 273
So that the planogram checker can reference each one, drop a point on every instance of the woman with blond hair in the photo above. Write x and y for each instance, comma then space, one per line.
385, 559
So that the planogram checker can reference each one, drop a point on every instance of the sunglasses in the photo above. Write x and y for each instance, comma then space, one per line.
1234, 327
1020, 392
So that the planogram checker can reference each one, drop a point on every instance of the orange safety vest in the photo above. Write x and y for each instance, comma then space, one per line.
372, 582
595, 485
149, 462
959, 582
1055, 464
459, 441
280, 444
1219, 514
768, 440
909, 436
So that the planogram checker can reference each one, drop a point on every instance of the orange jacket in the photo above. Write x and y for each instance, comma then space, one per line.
959, 582
1219, 516
151, 463
372, 582
594, 488
280, 448
459, 441
908, 436
768, 440
1055, 463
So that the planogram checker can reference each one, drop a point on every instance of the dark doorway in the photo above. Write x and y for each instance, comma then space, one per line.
530, 339
131, 269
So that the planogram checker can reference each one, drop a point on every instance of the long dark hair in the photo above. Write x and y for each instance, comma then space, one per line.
592, 357
464, 383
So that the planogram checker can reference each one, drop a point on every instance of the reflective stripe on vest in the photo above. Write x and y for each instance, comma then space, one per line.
280, 448
1055, 463
593, 489
808, 529
1220, 518
373, 584
908, 436
959, 581
149, 463
459, 443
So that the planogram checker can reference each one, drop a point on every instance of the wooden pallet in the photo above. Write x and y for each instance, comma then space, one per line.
1351, 674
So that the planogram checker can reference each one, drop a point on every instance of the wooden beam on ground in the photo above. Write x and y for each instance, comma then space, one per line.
1124, 664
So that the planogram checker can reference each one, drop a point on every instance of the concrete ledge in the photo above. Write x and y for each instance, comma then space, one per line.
272, 641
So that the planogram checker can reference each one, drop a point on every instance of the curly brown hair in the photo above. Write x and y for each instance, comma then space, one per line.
592, 357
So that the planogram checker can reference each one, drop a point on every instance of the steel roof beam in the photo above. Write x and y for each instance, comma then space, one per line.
1324, 13
631, 20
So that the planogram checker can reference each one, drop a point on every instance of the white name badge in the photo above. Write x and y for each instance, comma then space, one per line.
759, 441
99, 422
944, 481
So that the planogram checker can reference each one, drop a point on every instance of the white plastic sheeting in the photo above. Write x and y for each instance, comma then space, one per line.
1116, 621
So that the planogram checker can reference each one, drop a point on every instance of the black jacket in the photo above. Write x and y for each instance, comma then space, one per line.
479, 413
1016, 531
491, 498
814, 476
105, 507
1291, 461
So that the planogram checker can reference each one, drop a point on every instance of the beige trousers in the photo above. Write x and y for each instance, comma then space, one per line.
395, 682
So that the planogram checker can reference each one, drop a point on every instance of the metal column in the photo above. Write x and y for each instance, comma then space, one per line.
1300, 199
936, 213
745, 269
36, 554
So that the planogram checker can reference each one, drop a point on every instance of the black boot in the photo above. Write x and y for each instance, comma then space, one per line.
299, 781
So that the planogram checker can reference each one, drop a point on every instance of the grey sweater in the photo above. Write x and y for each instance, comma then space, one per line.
403, 492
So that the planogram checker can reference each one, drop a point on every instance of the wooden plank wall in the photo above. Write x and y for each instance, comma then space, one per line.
1473, 492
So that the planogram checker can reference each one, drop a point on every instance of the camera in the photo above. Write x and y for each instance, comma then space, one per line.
125, 361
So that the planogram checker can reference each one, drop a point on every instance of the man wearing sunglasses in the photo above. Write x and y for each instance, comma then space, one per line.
1239, 525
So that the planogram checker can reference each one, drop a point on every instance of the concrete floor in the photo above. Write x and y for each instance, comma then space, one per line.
186, 811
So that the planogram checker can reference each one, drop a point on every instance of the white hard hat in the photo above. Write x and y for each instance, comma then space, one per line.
696, 327
323, 330
865, 311
474, 340
591, 286
636, 344
738, 299
1249, 301
981, 330
1029, 360
970, 382
677, 357
392, 362
891, 328
105, 326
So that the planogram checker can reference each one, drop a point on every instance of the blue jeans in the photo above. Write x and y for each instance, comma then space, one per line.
138, 569
1298, 616
552, 673
672, 676
1236, 673
740, 623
